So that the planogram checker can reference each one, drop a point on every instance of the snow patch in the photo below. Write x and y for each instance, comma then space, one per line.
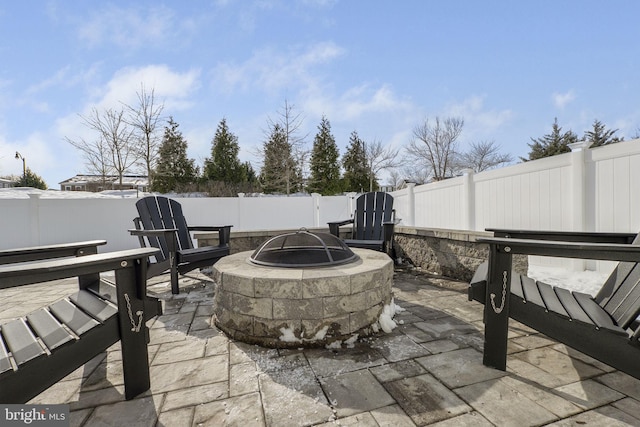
334, 345
351, 341
288, 335
586, 281
321, 334
386, 322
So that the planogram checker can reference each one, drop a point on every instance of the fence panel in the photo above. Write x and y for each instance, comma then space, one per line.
590, 190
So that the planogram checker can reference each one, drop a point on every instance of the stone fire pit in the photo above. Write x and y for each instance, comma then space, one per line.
298, 307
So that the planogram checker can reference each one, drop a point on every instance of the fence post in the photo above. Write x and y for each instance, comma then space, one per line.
315, 200
34, 218
351, 197
240, 225
578, 192
468, 200
411, 205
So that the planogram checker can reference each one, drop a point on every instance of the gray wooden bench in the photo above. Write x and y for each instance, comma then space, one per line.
604, 326
42, 347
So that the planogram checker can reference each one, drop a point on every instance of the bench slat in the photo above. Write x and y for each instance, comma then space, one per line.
96, 307
623, 304
105, 290
49, 329
73, 317
599, 316
21, 341
516, 286
5, 363
551, 300
572, 307
531, 291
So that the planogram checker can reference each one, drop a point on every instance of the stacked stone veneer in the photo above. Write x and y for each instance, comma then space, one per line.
315, 306
451, 253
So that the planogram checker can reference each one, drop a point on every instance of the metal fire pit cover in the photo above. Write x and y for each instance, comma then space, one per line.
303, 249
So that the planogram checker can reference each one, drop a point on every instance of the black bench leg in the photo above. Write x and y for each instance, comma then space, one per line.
496, 309
87, 280
131, 288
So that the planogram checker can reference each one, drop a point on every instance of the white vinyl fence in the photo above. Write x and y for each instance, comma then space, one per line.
40, 220
585, 190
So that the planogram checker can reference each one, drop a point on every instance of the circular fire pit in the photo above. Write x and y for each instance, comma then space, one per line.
301, 306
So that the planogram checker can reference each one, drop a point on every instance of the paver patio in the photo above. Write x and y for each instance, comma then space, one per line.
428, 371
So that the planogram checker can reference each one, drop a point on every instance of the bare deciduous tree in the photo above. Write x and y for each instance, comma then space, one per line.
378, 159
484, 155
434, 146
416, 173
96, 156
145, 119
113, 149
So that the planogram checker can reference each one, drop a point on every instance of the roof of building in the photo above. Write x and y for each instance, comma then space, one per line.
97, 179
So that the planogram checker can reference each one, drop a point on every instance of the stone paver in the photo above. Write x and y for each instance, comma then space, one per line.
428, 371
458, 368
425, 399
355, 392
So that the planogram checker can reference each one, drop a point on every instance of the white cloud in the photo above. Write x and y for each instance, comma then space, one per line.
479, 121
560, 100
364, 100
38, 152
271, 70
171, 87
129, 27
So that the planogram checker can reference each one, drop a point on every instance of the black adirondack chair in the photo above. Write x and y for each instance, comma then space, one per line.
372, 223
603, 326
39, 349
161, 224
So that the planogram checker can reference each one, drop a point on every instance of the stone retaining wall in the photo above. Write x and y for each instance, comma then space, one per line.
450, 253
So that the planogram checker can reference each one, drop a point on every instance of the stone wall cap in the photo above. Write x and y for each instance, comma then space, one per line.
443, 233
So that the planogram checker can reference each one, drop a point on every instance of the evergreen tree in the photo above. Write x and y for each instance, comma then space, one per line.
279, 173
354, 162
600, 135
224, 164
325, 169
30, 179
551, 144
249, 172
173, 170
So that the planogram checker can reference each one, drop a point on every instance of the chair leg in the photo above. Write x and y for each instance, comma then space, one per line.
496, 310
133, 333
174, 275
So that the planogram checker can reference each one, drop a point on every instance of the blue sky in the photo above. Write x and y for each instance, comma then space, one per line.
378, 67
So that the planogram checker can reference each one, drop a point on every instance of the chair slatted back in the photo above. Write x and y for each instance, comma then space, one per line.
372, 209
620, 295
156, 213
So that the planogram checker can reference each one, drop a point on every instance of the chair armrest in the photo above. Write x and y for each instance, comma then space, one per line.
564, 249
567, 236
334, 226
42, 271
62, 250
208, 227
153, 233
170, 234
387, 230
224, 232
